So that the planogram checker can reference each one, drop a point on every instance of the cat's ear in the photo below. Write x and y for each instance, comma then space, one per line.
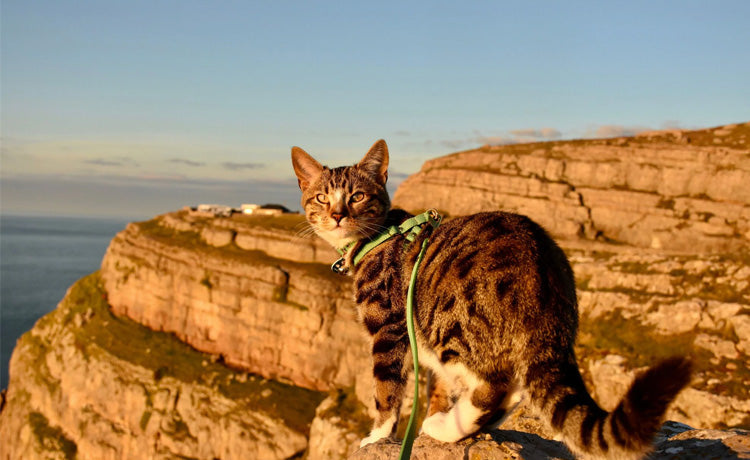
375, 163
305, 167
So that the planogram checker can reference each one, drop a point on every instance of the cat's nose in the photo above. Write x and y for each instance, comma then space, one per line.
337, 216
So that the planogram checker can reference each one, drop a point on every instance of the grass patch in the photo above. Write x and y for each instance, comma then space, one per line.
206, 281
144, 419
666, 203
349, 409
613, 333
289, 222
634, 267
51, 438
154, 230
642, 347
191, 240
166, 356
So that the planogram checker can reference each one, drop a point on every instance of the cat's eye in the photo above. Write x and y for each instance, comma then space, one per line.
321, 198
357, 197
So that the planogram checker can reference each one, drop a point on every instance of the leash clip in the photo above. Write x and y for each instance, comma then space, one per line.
339, 267
435, 218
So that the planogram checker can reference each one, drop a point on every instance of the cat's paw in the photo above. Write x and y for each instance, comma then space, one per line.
379, 432
440, 426
370, 439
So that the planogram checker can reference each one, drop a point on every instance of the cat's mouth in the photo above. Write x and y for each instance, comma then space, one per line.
339, 236
342, 231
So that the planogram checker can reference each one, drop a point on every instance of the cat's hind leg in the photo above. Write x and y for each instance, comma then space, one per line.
482, 401
439, 394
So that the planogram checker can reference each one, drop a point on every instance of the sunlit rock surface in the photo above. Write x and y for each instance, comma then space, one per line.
230, 338
89, 385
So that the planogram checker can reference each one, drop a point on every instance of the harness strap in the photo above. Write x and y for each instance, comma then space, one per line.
411, 228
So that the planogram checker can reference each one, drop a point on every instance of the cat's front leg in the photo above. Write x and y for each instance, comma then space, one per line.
388, 353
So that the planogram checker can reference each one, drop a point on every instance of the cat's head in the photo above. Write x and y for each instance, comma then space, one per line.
347, 203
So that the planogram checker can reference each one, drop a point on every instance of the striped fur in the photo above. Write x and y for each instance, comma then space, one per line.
495, 311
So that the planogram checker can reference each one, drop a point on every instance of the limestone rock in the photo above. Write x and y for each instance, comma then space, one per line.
612, 378
100, 390
649, 192
703, 444
339, 425
675, 441
497, 445
238, 303
256, 293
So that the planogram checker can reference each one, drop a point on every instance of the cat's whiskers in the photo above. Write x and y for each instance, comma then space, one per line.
304, 232
368, 230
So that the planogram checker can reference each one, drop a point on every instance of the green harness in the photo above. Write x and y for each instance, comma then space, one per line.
411, 228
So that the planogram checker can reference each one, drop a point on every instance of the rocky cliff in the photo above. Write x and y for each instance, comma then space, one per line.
90, 385
683, 190
248, 289
214, 337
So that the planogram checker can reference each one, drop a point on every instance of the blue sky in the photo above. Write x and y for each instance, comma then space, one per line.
137, 108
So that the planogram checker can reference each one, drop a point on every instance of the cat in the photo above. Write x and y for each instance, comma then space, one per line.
495, 312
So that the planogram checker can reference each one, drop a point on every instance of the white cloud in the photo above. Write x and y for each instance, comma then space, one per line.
606, 131
183, 161
70, 157
232, 166
138, 197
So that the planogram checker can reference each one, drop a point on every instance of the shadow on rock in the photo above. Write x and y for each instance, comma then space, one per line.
497, 445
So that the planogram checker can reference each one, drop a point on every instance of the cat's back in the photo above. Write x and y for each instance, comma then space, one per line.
489, 232
471, 249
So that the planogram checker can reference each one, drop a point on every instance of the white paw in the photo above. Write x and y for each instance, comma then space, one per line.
439, 426
370, 439
379, 432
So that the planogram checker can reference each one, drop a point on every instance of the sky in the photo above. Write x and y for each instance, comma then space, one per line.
132, 109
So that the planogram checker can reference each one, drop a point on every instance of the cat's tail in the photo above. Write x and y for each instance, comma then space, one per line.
625, 433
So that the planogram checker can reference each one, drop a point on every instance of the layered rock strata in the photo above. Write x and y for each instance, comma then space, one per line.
682, 190
87, 385
274, 312
640, 307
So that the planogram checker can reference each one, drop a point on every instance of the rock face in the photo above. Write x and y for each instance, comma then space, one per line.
87, 385
636, 309
675, 441
245, 324
240, 302
672, 190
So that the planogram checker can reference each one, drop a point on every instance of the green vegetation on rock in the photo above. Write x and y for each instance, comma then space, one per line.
613, 333
52, 439
101, 333
349, 411
154, 230
644, 347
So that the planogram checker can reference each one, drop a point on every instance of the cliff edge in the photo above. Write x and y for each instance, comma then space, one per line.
676, 190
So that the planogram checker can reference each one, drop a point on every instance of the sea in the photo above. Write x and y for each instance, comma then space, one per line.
40, 258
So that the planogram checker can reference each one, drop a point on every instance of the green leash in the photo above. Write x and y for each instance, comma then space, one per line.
411, 428
411, 228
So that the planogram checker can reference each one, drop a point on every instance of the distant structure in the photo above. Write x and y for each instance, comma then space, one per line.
220, 210
265, 210
216, 210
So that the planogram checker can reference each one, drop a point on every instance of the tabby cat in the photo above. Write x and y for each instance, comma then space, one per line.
495, 312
